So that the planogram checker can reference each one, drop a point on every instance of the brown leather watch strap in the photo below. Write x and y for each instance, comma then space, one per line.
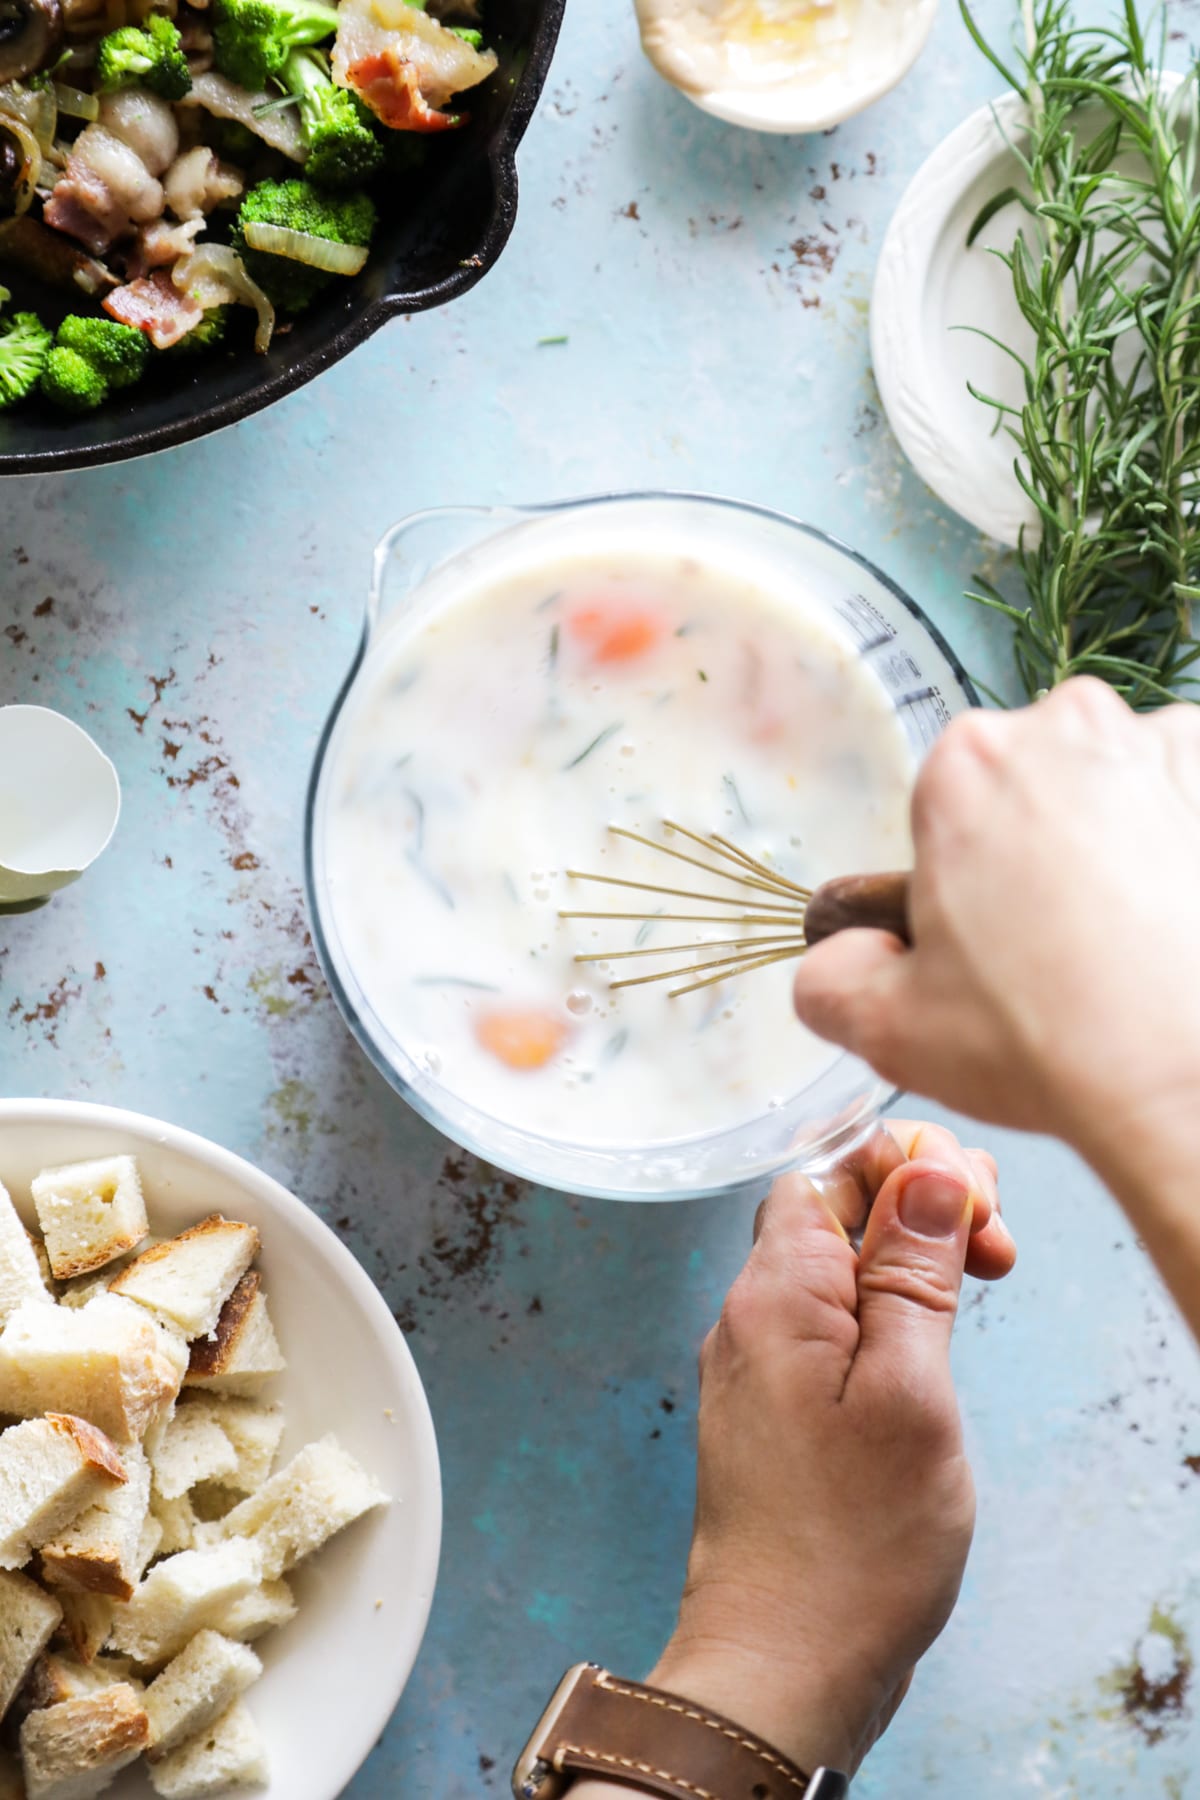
597, 1724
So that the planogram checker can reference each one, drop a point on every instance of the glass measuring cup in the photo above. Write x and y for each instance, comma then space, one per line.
420, 567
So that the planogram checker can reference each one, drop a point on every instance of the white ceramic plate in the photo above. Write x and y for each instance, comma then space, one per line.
335, 1673
927, 287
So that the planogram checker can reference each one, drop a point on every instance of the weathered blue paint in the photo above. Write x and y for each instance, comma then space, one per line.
713, 288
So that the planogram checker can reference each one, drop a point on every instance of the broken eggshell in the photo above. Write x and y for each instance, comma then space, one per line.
60, 800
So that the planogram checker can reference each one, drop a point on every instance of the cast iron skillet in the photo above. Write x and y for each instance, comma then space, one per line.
447, 226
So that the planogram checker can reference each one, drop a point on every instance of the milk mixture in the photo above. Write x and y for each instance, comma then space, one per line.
486, 752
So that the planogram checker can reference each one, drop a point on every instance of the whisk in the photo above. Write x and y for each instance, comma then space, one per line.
776, 919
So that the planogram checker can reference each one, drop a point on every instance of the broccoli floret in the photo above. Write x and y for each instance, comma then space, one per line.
469, 35
235, 142
299, 206
343, 150
119, 352
72, 381
252, 39
24, 347
206, 335
152, 56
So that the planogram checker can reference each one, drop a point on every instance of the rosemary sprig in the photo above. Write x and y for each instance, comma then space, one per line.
1108, 435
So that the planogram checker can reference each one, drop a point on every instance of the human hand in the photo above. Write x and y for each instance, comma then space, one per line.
835, 1505
1054, 982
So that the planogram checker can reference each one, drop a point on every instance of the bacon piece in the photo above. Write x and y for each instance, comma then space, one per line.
391, 87
160, 246
154, 305
82, 206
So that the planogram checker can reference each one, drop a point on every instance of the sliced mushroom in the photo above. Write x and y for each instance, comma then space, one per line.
20, 166
28, 245
31, 35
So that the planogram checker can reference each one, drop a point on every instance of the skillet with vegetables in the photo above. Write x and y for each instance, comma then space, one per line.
194, 173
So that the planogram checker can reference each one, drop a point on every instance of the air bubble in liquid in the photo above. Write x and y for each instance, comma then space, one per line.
579, 1002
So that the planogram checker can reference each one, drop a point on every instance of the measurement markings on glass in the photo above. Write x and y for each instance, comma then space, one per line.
867, 623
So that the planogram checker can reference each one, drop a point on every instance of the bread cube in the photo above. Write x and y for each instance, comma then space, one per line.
20, 1275
187, 1279
86, 1287
254, 1429
149, 1545
263, 1609
28, 1620
98, 1553
193, 1448
182, 1595
176, 1520
230, 1753
43, 1262
56, 1677
75, 1749
51, 1470
242, 1353
196, 1687
318, 1493
90, 1213
77, 1293
105, 1363
12, 1782
87, 1621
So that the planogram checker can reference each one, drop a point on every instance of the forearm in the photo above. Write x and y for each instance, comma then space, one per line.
1152, 1174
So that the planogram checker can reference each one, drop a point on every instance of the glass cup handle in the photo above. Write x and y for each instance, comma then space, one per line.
409, 553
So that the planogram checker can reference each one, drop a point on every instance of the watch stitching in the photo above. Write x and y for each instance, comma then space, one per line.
639, 1768
718, 1725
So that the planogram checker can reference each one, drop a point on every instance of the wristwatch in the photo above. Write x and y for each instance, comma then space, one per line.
596, 1724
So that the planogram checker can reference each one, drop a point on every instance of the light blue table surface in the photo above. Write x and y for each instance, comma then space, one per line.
196, 612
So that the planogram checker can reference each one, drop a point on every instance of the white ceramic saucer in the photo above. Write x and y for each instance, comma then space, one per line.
928, 286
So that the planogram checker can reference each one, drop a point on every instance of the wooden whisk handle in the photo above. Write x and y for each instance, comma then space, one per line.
879, 902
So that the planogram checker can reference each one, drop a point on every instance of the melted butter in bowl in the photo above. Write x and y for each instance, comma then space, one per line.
784, 65
484, 750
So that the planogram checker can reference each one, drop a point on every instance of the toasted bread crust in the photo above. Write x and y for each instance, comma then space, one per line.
90, 1572
160, 1252
94, 1447
210, 1355
69, 1268
86, 1622
94, 1732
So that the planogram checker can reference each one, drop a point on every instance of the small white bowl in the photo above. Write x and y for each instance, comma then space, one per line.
929, 289
335, 1673
889, 37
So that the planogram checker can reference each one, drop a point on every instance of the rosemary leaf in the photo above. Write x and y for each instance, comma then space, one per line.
1105, 270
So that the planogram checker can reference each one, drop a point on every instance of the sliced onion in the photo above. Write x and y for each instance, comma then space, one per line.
304, 247
215, 275
31, 164
37, 107
225, 100
74, 103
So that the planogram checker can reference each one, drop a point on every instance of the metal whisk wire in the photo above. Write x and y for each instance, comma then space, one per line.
774, 927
